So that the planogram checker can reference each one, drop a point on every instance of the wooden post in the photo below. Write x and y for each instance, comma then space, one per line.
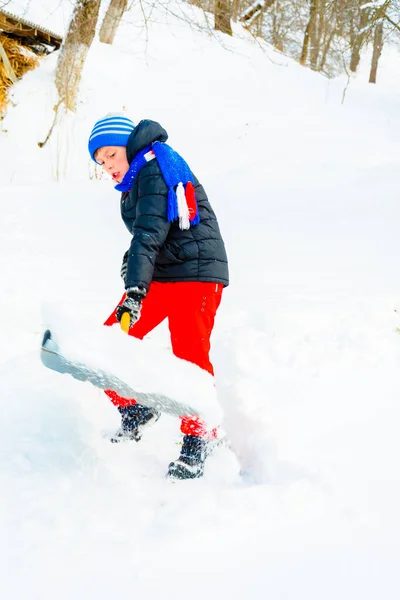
10, 71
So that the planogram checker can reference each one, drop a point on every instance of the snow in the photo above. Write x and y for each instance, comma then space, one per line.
305, 348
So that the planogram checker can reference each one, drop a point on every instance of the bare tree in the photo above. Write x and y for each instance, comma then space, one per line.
316, 33
112, 20
222, 16
395, 4
378, 45
371, 21
310, 32
361, 37
237, 8
73, 53
276, 37
253, 17
326, 35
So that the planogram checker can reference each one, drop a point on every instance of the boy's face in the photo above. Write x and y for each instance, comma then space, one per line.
113, 160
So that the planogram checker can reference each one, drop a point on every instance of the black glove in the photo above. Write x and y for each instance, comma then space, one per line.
132, 305
124, 266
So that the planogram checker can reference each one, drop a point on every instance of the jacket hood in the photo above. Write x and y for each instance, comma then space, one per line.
145, 133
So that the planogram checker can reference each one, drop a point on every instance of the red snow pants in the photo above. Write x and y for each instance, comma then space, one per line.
190, 308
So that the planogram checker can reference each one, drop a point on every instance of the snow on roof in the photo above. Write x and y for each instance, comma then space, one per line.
28, 24
48, 15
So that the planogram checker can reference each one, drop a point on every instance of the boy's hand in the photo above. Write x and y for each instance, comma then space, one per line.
124, 266
131, 305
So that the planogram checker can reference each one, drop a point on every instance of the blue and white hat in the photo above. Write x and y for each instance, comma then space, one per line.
112, 130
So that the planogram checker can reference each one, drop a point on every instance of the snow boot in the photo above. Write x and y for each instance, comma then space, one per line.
134, 419
190, 464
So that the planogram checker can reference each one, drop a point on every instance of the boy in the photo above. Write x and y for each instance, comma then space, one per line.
175, 268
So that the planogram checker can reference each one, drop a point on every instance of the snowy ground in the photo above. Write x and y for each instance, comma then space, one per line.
305, 347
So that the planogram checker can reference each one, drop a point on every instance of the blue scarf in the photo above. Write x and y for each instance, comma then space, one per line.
182, 204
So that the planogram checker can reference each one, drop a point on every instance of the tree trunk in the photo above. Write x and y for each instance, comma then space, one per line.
276, 38
326, 48
315, 35
309, 34
342, 16
236, 9
378, 45
222, 16
359, 40
74, 50
112, 20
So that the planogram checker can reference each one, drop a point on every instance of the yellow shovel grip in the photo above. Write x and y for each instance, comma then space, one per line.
125, 322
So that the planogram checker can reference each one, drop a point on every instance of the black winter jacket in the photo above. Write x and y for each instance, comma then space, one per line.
159, 250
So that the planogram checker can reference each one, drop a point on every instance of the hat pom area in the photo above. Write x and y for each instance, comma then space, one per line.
112, 130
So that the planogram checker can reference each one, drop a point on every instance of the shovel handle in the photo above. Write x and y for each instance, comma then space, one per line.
125, 322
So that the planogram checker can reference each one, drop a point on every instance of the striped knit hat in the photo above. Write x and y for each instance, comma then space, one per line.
112, 130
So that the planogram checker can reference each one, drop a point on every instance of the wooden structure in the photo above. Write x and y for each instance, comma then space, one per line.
20, 44
28, 33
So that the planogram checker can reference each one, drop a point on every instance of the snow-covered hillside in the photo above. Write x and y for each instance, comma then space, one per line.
305, 347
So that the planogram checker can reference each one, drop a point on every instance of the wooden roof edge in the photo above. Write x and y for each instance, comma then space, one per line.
30, 24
